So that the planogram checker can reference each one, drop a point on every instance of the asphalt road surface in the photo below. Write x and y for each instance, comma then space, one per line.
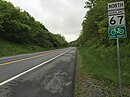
44, 74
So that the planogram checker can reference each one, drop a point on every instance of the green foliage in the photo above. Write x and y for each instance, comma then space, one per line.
98, 52
19, 26
90, 4
95, 25
101, 63
16, 31
8, 48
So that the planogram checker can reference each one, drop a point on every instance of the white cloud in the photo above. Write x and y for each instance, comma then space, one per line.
59, 16
70, 37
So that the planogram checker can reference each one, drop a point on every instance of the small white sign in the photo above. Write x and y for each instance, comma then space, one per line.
116, 5
117, 20
116, 12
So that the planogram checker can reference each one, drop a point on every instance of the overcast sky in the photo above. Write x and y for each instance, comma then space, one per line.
58, 16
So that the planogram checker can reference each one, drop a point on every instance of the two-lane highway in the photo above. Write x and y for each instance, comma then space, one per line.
43, 74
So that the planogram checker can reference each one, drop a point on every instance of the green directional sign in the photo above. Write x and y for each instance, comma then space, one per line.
117, 32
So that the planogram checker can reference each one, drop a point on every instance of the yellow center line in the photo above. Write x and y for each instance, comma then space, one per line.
6, 63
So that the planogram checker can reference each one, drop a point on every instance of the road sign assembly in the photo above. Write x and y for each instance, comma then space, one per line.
116, 14
117, 29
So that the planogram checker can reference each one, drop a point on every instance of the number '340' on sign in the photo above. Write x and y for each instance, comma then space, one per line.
117, 20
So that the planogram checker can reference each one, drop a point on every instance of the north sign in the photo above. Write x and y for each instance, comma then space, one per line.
116, 5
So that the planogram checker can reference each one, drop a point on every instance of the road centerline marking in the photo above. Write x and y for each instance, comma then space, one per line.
16, 76
23, 59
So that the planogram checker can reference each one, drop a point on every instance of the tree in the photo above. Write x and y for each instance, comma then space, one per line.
90, 4
19, 26
95, 25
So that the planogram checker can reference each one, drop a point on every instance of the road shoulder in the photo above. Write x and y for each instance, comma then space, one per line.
87, 86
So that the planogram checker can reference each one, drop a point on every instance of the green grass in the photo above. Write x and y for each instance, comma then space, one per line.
101, 63
9, 48
81, 75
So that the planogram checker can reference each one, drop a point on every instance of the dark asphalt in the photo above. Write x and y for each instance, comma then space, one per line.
54, 79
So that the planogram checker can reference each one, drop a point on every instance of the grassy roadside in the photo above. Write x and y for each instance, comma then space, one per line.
101, 65
9, 48
80, 89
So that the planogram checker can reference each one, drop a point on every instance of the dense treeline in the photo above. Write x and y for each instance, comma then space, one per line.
98, 53
95, 25
19, 26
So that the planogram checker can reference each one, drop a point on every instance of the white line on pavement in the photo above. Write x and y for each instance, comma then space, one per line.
10, 79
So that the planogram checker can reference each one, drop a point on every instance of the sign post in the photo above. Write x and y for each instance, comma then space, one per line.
117, 29
119, 66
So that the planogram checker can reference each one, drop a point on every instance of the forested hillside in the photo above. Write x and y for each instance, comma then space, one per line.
20, 27
98, 66
95, 25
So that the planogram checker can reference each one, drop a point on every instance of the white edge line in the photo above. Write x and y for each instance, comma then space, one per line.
10, 79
